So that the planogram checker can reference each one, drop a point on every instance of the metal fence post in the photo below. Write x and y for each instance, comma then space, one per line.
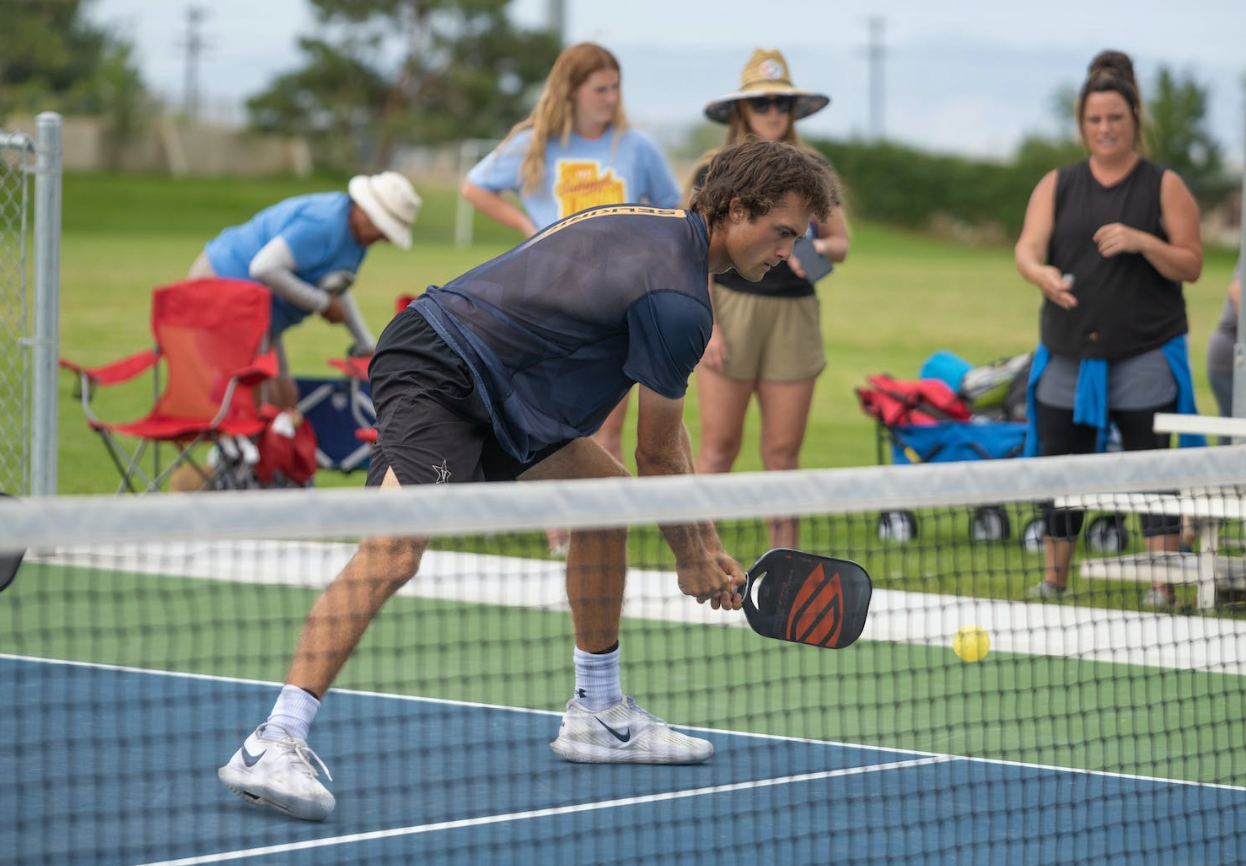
45, 344
470, 152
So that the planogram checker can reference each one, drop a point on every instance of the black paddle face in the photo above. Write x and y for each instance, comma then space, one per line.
9, 563
806, 598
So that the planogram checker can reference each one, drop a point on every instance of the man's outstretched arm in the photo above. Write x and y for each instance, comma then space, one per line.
705, 570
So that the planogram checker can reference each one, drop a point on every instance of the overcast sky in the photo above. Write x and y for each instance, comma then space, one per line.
969, 76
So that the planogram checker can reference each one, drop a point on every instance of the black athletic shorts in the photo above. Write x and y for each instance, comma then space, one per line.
433, 426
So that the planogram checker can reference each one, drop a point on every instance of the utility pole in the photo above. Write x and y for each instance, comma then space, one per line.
557, 17
876, 52
194, 44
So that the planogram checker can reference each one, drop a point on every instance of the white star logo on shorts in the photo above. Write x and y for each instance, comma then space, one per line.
443, 472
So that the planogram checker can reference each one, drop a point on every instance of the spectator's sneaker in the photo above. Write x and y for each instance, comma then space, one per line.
278, 773
624, 734
1046, 592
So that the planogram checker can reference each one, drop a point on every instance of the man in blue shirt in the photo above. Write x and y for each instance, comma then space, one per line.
307, 250
504, 373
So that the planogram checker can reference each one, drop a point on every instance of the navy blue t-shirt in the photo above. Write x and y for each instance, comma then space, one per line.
557, 330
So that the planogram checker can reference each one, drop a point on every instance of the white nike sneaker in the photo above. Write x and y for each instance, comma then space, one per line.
277, 773
624, 734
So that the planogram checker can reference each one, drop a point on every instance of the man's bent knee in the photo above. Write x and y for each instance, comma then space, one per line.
391, 560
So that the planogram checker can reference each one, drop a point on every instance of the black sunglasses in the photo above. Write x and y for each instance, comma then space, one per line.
761, 104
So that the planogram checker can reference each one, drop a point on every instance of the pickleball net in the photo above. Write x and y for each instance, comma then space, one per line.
145, 637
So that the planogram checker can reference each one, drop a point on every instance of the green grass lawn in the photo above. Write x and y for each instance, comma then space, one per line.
898, 298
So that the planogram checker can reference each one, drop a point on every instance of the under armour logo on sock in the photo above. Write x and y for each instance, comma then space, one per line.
581, 693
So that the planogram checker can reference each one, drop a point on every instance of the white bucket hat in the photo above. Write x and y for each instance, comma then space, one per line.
390, 202
766, 74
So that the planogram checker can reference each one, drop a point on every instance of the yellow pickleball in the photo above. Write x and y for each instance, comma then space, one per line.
971, 643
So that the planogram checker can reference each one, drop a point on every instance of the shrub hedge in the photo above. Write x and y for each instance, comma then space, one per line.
903, 186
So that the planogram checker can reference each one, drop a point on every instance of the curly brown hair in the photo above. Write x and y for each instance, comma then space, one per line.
760, 173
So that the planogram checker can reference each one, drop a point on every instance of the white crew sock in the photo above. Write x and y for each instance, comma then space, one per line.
294, 710
597, 679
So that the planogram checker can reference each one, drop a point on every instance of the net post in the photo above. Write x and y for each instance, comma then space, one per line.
46, 340
470, 151
1239, 345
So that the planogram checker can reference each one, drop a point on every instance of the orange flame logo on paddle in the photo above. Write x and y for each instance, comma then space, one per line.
817, 613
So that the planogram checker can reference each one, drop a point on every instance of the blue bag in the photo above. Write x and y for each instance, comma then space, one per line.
947, 367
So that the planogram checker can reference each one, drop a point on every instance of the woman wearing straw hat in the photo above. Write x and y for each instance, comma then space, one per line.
767, 337
307, 250
574, 151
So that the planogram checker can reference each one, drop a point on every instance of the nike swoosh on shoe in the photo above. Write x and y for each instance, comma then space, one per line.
251, 760
622, 738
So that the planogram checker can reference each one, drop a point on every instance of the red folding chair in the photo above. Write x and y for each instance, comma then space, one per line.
208, 339
356, 369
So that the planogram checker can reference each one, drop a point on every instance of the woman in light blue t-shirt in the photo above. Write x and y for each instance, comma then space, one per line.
574, 151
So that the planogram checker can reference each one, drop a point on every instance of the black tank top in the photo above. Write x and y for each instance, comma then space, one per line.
1124, 306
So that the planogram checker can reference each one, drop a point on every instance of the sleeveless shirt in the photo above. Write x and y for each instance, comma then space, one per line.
1124, 305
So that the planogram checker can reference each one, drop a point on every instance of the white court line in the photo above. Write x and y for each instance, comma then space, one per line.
544, 813
1198, 643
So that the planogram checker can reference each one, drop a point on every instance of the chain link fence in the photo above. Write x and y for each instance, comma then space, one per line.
16, 163
30, 217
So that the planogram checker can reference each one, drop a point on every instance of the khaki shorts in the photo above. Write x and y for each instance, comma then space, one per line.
775, 339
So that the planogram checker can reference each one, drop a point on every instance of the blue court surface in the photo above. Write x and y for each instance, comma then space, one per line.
109, 767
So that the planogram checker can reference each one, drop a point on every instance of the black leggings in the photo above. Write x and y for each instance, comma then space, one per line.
1057, 434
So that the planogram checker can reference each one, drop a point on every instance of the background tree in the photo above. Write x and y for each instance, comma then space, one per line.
53, 59
1176, 135
411, 71
332, 101
1179, 139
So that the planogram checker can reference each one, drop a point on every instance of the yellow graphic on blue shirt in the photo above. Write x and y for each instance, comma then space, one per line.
582, 184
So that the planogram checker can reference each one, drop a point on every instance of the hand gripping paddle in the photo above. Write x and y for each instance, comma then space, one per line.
9, 561
805, 598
